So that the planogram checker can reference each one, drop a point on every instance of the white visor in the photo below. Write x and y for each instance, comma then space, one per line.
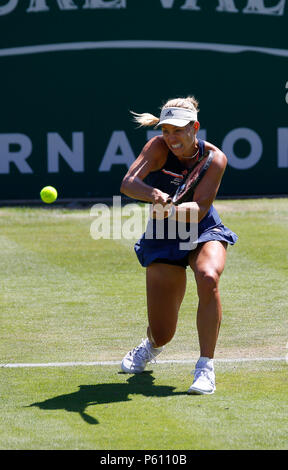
179, 117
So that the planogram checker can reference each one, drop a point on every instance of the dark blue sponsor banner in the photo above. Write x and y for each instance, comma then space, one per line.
71, 71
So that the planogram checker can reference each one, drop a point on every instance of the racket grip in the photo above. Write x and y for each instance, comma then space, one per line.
170, 201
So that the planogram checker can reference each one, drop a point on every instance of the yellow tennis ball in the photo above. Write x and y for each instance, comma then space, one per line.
48, 194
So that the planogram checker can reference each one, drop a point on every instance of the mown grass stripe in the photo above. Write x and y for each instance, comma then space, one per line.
111, 363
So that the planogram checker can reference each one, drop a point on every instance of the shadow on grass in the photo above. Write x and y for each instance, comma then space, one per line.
89, 395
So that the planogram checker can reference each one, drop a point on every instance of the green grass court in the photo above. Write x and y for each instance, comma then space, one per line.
66, 298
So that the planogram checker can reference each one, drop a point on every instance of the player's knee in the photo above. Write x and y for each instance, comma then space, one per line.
207, 280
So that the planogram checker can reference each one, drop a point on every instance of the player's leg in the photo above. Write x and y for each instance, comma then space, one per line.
166, 286
165, 291
207, 263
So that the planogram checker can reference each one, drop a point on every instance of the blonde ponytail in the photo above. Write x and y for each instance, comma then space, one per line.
145, 119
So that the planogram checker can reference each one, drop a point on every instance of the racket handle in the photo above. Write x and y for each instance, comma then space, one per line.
171, 201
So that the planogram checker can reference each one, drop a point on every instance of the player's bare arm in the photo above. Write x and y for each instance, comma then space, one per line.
151, 158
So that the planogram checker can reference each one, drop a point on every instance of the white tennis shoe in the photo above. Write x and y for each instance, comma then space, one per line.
135, 360
204, 378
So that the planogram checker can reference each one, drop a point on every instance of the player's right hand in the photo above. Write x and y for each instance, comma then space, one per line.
159, 197
160, 205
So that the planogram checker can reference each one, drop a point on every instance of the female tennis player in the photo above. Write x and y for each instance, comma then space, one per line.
154, 177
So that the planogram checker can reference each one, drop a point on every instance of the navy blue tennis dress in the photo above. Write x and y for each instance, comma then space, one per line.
165, 243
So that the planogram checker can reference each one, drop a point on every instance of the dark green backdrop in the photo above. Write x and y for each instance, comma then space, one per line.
64, 114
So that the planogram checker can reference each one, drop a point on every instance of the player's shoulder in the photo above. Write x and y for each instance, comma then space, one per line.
156, 148
219, 157
157, 143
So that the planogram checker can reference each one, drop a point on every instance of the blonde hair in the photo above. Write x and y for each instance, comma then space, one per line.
147, 119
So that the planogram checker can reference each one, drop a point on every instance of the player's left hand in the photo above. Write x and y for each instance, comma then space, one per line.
160, 211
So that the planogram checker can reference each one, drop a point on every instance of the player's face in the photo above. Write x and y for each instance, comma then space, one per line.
180, 140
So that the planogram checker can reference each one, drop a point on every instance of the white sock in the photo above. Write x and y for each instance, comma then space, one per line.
154, 350
205, 362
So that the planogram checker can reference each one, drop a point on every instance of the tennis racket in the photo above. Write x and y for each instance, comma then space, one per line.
185, 191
